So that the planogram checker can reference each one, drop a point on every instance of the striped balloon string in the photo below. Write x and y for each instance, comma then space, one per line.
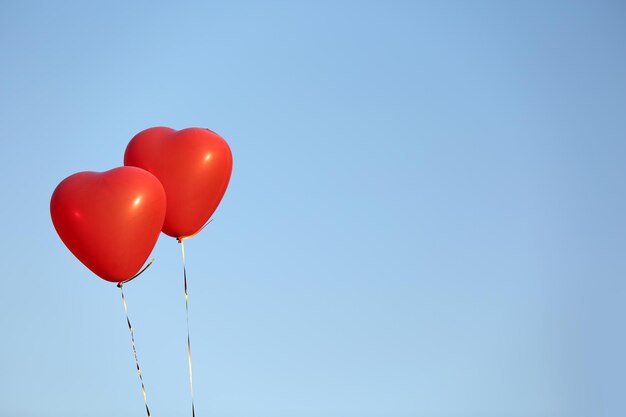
132, 335
181, 240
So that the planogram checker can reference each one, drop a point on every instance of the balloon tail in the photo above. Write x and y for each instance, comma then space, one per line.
180, 239
132, 338
137, 274
182, 247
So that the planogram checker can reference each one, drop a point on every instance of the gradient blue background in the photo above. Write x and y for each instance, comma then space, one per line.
426, 215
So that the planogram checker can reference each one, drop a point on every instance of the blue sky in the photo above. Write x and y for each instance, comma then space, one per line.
426, 215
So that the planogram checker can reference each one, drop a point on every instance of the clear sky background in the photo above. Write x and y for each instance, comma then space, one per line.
426, 215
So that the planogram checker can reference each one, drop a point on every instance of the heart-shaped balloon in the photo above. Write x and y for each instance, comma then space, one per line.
110, 220
194, 166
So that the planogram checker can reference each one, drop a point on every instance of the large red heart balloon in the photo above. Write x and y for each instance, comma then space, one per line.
110, 220
194, 166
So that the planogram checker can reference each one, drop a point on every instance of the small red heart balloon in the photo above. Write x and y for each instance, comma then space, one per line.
110, 220
194, 166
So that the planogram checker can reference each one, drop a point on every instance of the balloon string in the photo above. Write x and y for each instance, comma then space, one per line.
132, 338
182, 247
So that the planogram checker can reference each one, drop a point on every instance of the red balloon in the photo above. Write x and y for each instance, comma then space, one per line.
110, 220
194, 166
